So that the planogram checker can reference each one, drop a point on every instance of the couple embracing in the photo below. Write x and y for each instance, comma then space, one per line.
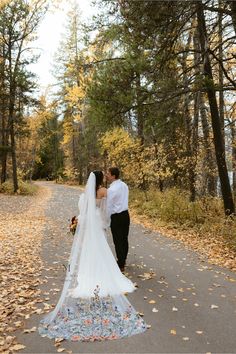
93, 303
117, 211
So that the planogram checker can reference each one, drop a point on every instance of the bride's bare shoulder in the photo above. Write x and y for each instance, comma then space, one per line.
102, 192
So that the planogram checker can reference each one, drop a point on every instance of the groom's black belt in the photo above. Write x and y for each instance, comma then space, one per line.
122, 212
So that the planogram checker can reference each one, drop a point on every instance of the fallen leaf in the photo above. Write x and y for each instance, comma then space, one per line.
181, 290
38, 311
10, 339
232, 280
18, 323
17, 347
173, 331
214, 307
154, 309
33, 329
147, 276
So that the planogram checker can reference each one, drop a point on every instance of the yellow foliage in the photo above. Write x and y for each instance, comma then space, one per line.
139, 164
74, 95
3, 3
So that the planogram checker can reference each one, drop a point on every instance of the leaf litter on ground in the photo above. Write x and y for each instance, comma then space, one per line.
22, 222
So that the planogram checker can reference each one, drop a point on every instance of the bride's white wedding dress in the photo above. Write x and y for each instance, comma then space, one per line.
93, 304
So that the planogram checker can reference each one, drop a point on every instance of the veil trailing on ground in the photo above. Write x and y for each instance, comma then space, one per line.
93, 304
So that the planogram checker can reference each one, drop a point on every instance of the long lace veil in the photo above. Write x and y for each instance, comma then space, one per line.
92, 306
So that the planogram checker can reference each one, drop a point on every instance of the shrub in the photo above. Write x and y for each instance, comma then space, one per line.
172, 208
25, 188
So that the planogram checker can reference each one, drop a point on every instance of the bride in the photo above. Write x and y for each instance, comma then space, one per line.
93, 305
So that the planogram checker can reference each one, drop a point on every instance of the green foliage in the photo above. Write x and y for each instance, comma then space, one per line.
49, 159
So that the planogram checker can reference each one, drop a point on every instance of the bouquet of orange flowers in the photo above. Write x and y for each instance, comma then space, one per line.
73, 224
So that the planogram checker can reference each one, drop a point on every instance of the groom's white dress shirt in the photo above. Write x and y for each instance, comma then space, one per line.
117, 197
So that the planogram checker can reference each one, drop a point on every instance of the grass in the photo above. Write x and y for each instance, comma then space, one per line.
173, 206
202, 219
25, 188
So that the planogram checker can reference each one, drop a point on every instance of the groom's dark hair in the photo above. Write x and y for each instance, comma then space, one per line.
114, 171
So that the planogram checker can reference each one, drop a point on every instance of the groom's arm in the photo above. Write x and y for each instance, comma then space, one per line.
110, 201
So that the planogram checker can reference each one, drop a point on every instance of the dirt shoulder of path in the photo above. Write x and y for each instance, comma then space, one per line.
22, 222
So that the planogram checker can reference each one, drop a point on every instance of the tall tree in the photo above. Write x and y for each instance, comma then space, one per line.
18, 22
216, 124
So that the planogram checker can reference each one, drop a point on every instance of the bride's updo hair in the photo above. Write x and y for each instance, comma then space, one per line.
99, 179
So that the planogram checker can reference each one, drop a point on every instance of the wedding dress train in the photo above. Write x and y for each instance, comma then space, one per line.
93, 304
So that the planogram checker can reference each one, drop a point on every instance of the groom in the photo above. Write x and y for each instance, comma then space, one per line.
117, 205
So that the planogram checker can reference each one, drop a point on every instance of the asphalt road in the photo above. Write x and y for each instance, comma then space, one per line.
189, 304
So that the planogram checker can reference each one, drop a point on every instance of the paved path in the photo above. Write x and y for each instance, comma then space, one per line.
195, 303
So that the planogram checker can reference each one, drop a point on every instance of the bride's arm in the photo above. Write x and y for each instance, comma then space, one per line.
106, 221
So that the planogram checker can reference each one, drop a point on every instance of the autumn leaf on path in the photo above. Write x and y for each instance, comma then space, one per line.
214, 307
147, 276
17, 347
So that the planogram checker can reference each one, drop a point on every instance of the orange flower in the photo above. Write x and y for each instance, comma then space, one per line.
75, 337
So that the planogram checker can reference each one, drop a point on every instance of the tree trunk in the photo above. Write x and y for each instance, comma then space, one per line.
161, 185
13, 145
5, 141
221, 80
3, 116
233, 138
210, 162
189, 124
4, 148
209, 179
4, 168
192, 172
215, 118
140, 118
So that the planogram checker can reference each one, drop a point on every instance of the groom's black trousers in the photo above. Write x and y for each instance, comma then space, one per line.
120, 229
